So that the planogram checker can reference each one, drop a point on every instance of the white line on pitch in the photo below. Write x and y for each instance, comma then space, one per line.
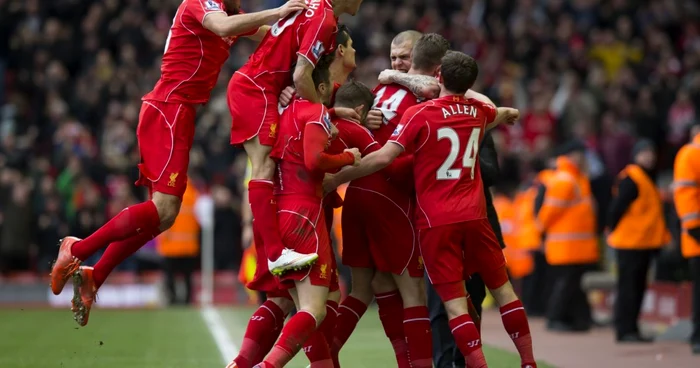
216, 326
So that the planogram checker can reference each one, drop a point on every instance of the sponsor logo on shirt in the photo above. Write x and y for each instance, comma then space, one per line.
398, 130
211, 5
318, 49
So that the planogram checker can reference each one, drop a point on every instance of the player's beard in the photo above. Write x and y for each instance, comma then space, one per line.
232, 6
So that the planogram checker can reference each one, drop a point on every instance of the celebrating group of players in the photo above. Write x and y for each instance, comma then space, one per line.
409, 149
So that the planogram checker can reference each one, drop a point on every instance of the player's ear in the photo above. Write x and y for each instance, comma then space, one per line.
438, 72
439, 76
341, 50
360, 110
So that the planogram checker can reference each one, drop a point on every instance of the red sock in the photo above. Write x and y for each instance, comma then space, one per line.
416, 328
349, 313
316, 349
391, 314
474, 314
130, 222
261, 327
117, 252
325, 330
264, 208
468, 340
515, 322
294, 334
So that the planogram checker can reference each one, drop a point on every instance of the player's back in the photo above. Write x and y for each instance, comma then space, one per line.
193, 55
308, 33
293, 177
447, 132
352, 135
392, 100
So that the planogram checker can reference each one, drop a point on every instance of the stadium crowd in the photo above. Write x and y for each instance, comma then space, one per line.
72, 73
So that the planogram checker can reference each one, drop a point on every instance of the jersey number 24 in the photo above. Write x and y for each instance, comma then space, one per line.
469, 157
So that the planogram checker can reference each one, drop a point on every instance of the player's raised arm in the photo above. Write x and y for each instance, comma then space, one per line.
303, 83
231, 25
504, 115
421, 85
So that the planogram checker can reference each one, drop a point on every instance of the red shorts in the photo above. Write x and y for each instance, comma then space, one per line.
378, 233
165, 134
454, 252
254, 111
302, 226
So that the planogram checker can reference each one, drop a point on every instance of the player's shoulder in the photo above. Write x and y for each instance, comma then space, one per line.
421, 108
351, 127
205, 5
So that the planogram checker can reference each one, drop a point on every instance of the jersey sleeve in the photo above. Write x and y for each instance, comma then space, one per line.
202, 8
318, 114
408, 131
315, 159
317, 38
490, 111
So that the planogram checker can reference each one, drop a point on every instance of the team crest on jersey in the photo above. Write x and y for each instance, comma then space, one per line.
318, 49
211, 5
398, 129
323, 272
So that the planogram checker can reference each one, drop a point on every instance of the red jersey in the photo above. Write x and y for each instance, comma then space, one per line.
352, 135
193, 55
444, 136
304, 134
309, 33
393, 100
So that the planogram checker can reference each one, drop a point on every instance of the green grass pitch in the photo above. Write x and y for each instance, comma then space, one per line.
169, 338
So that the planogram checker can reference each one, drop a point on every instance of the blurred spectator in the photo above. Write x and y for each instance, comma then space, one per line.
72, 73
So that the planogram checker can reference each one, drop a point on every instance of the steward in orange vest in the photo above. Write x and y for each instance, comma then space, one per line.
686, 195
636, 219
568, 219
179, 247
518, 259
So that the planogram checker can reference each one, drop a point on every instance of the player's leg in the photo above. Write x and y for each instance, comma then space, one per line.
487, 253
263, 329
390, 308
164, 171
327, 327
416, 319
352, 308
466, 336
311, 305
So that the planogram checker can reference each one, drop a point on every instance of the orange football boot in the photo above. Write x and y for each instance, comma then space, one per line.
84, 294
65, 265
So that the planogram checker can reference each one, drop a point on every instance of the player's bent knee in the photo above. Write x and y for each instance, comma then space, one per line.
412, 291
383, 283
262, 166
456, 307
168, 207
285, 304
505, 294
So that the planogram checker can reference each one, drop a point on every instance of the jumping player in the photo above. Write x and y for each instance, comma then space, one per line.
196, 49
304, 135
289, 52
379, 239
456, 239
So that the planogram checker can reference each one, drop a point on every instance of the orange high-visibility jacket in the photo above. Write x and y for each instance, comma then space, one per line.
182, 239
519, 260
529, 232
643, 225
337, 214
568, 217
686, 194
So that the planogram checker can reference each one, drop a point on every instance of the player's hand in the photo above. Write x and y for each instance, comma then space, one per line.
374, 120
291, 6
286, 96
334, 131
347, 113
513, 116
355, 152
387, 76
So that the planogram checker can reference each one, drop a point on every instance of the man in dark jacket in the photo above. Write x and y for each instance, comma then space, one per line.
445, 352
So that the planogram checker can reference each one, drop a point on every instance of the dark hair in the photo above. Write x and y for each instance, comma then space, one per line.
429, 50
353, 94
342, 36
459, 72
321, 73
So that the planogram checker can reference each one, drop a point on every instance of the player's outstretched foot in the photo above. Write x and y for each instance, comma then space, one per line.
84, 294
65, 264
290, 260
